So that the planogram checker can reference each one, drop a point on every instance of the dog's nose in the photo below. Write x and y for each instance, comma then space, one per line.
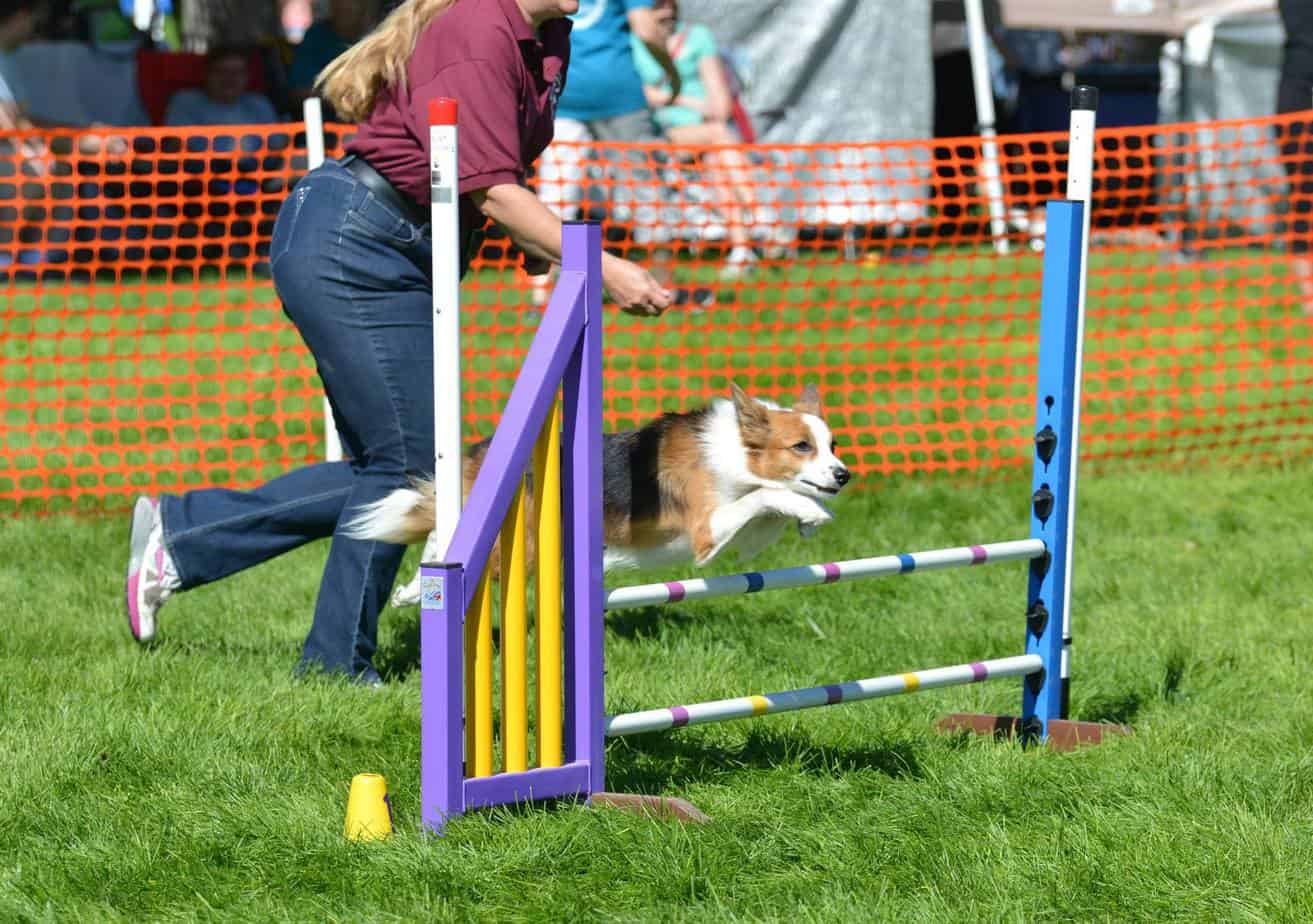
841, 476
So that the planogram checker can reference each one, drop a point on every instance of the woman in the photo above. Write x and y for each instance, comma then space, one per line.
698, 114
351, 262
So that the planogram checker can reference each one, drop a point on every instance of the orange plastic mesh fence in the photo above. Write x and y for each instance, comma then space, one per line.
144, 348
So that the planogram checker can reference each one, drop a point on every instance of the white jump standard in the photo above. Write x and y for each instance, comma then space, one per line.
457, 773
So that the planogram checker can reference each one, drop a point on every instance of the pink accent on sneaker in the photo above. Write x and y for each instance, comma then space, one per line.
134, 619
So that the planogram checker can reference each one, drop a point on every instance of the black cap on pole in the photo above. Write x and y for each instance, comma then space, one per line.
1084, 97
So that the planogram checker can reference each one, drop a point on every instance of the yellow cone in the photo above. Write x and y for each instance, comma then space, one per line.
368, 809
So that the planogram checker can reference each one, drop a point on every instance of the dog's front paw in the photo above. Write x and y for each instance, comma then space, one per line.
793, 506
813, 514
809, 514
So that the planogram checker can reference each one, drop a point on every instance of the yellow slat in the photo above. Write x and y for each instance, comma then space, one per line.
547, 537
478, 680
514, 638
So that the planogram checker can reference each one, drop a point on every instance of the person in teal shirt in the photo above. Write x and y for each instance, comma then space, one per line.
697, 58
698, 114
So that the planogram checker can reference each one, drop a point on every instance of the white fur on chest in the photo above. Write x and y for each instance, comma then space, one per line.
723, 453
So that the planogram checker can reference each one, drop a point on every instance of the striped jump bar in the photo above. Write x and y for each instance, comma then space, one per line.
623, 598
747, 707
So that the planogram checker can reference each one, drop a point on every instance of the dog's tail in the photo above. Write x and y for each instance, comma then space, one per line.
405, 516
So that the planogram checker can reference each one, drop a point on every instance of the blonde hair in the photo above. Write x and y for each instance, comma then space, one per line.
352, 82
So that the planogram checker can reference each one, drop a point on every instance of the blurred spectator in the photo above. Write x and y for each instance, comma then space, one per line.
224, 99
105, 24
700, 115
347, 23
604, 91
19, 227
1024, 57
1295, 94
18, 22
603, 99
296, 16
955, 102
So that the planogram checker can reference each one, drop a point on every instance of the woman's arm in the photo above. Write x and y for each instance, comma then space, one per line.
536, 230
719, 104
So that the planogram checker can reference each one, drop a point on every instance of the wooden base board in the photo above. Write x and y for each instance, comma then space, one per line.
661, 807
1064, 734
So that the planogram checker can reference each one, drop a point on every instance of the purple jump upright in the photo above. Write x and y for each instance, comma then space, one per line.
566, 351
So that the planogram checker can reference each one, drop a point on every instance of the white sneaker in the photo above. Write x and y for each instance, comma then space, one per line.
152, 577
740, 260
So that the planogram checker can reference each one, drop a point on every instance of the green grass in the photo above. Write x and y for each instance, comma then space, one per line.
198, 781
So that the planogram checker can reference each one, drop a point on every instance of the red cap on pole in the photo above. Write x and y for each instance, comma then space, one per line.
442, 111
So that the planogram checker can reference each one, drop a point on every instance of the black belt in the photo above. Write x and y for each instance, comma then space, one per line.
383, 190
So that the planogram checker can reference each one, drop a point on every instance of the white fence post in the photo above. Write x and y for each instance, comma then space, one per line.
313, 113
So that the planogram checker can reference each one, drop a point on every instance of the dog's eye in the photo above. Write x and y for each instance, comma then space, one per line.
834, 449
802, 446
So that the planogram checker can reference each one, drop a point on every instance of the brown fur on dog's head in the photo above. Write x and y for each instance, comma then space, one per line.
779, 443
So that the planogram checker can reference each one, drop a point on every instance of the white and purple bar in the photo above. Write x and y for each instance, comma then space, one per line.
751, 582
747, 707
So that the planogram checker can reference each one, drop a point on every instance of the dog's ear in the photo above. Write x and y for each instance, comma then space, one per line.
753, 421
809, 402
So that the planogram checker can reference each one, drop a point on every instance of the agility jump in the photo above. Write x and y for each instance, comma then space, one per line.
561, 441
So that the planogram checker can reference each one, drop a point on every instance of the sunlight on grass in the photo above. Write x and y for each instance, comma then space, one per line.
197, 779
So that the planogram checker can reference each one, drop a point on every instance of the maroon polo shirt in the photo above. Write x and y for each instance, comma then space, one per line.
505, 79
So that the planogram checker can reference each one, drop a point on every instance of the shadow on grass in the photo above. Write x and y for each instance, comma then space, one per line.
398, 656
646, 622
1124, 707
664, 763
1117, 708
658, 762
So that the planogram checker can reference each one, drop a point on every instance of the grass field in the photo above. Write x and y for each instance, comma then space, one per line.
198, 781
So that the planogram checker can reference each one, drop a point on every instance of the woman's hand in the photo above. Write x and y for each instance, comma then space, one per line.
537, 231
657, 97
633, 288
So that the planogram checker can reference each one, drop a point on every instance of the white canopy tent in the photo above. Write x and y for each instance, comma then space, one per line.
1163, 17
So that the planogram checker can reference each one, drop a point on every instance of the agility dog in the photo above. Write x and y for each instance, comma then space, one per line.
686, 486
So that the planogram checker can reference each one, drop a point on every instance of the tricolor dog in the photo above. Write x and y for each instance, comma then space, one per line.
684, 487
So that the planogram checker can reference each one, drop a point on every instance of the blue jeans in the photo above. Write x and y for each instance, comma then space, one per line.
354, 276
